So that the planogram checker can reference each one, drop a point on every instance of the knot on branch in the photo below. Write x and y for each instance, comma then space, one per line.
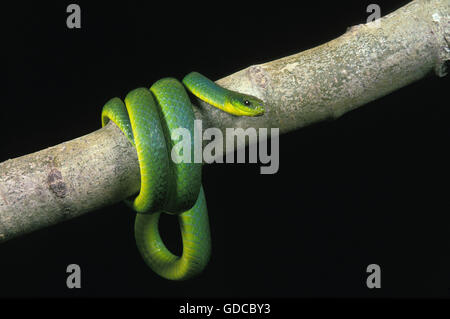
56, 183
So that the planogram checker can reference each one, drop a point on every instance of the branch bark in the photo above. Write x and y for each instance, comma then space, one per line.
367, 62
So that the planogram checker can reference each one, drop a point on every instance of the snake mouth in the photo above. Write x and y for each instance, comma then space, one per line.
260, 112
246, 111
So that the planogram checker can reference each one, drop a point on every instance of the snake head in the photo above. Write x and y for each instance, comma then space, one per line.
243, 104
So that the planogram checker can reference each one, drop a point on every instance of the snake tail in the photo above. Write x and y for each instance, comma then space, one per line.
195, 236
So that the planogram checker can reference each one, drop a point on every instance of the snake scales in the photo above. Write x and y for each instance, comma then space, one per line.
148, 118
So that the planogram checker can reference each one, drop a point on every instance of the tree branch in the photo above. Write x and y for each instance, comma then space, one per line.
367, 62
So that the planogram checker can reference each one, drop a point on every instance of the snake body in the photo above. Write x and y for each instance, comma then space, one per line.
148, 118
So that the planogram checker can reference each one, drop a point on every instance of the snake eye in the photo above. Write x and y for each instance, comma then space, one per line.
247, 102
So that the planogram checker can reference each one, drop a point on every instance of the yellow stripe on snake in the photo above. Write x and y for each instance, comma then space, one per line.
147, 118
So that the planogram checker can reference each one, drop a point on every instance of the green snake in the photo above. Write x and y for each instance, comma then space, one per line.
148, 118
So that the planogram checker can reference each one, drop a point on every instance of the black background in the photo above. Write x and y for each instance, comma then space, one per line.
370, 187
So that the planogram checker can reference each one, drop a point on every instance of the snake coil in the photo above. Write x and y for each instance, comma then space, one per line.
148, 118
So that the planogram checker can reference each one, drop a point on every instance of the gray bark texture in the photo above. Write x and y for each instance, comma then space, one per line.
366, 63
